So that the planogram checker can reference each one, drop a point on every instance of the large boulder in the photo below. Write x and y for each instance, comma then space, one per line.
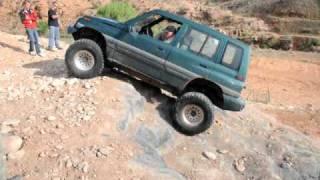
11, 144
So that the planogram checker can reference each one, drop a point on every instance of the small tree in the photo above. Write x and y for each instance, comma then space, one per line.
43, 27
118, 10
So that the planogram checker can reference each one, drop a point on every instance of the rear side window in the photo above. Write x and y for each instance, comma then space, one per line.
193, 41
232, 57
200, 43
210, 47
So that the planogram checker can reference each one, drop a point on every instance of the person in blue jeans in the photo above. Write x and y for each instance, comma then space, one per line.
54, 29
33, 37
29, 19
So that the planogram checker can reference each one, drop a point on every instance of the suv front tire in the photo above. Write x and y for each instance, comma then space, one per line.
84, 59
193, 113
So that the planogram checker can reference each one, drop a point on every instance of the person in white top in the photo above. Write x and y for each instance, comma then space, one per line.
168, 34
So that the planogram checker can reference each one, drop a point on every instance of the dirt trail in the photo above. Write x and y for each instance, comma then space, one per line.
288, 84
115, 127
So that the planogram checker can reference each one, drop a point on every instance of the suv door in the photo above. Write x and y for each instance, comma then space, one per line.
193, 57
148, 53
229, 69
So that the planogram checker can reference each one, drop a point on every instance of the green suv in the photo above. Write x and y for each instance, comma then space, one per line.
197, 64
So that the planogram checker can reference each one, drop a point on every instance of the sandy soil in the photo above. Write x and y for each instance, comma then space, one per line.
288, 84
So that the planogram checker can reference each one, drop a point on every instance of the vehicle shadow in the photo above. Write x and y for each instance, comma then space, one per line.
49, 68
56, 69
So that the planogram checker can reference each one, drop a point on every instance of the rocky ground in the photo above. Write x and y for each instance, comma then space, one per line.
114, 127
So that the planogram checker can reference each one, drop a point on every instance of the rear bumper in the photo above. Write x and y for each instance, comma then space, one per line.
232, 103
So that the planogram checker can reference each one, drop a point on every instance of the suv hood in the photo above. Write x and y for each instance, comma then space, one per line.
107, 21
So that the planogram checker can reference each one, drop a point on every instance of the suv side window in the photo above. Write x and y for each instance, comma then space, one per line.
200, 43
193, 41
232, 57
210, 48
158, 27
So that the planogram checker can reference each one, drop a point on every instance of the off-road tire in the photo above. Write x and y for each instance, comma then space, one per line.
200, 100
94, 49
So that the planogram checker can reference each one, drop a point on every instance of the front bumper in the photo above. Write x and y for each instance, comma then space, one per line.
71, 29
232, 103
74, 28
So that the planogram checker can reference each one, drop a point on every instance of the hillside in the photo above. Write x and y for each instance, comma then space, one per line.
309, 9
56, 127
277, 24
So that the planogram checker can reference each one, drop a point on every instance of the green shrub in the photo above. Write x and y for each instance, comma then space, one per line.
43, 27
274, 43
316, 42
118, 10
306, 44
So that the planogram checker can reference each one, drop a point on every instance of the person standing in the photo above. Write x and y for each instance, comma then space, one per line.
29, 19
54, 29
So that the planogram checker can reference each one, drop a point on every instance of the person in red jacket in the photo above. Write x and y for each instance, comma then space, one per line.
29, 20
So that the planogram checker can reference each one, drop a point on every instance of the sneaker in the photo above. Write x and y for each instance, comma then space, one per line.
51, 49
32, 53
59, 48
41, 54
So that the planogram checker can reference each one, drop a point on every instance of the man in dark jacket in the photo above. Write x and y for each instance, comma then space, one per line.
29, 20
54, 30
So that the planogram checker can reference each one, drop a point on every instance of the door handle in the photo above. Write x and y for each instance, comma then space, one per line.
160, 48
204, 66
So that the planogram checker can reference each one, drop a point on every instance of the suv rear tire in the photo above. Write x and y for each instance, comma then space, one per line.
84, 59
193, 113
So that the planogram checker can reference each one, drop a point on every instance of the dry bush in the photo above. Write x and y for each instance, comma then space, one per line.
284, 8
297, 8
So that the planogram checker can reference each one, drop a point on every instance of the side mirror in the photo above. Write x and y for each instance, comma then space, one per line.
134, 29
130, 28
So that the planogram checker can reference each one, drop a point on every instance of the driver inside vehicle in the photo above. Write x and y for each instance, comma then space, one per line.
168, 34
